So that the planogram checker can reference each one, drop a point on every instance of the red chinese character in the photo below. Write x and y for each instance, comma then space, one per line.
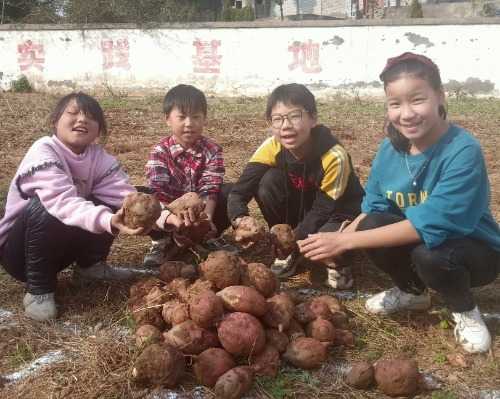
115, 54
206, 59
30, 55
306, 56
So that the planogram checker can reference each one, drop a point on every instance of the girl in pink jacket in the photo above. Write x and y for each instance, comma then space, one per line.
64, 206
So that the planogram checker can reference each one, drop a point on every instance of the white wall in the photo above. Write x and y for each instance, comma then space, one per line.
242, 61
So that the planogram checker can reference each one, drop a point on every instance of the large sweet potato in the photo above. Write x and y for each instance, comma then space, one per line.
222, 268
188, 338
277, 339
147, 334
397, 377
189, 201
159, 364
206, 309
175, 312
306, 353
260, 277
248, 232
174, 269
361, 375
239, 298
211, 364
283, 240
311, 310
280, 311
241, 334
234, 383
141, 210
321, 329
267, 362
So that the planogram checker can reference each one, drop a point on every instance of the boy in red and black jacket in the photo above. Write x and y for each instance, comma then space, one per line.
301, 176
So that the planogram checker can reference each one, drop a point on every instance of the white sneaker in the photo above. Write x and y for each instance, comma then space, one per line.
156, 255
102, 271
340, 278
392, 300
471, 332
284, 268
40, 307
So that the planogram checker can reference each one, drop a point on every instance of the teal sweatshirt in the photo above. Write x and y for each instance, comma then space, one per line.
444, 192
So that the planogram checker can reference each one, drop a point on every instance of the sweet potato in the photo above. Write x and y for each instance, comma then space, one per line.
159, 364
260, 277
187, 201
241, 334
157, 296
283, 240
147, 334
397, 377
187, 337
277, 339
306, 353
333, 303
142, 314
343, 337
175, 312
206, 309
195, 289
239, 298
222, 268
280, 312
178, 286
248, 232
321, 329
311, 310
295, 330
141, 288
141, 210
234, 383
361, 375
174, 269
211, 364
267, 362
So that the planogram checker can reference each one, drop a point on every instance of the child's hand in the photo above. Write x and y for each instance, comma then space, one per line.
188, 216
322, 246
118, 225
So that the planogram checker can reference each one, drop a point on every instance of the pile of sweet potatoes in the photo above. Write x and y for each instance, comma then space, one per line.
230, 318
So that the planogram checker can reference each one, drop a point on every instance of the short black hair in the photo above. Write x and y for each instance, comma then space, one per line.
293, 94
87, 104
188, 99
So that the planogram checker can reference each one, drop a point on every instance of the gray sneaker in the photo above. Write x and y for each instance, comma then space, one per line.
284, 268
40, 307
156, 254
220, 244
102, 271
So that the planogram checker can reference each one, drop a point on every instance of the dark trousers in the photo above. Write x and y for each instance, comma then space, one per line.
451, 269
39, 246
221, 220
280, 202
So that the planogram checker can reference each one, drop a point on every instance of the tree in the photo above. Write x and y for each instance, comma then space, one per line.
416, 9
280, 3
29, 11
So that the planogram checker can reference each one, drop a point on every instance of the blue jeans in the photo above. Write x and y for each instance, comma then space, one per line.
451, 269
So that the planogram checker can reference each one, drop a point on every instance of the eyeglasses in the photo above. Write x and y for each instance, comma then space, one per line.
293, 117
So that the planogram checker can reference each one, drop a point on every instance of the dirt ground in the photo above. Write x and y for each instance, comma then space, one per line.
92, 335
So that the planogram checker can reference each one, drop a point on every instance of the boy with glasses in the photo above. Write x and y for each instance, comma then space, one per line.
301, 176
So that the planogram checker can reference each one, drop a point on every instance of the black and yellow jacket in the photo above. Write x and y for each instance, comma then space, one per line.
327, 169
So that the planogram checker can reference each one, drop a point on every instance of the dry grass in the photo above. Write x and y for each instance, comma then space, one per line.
92, 330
